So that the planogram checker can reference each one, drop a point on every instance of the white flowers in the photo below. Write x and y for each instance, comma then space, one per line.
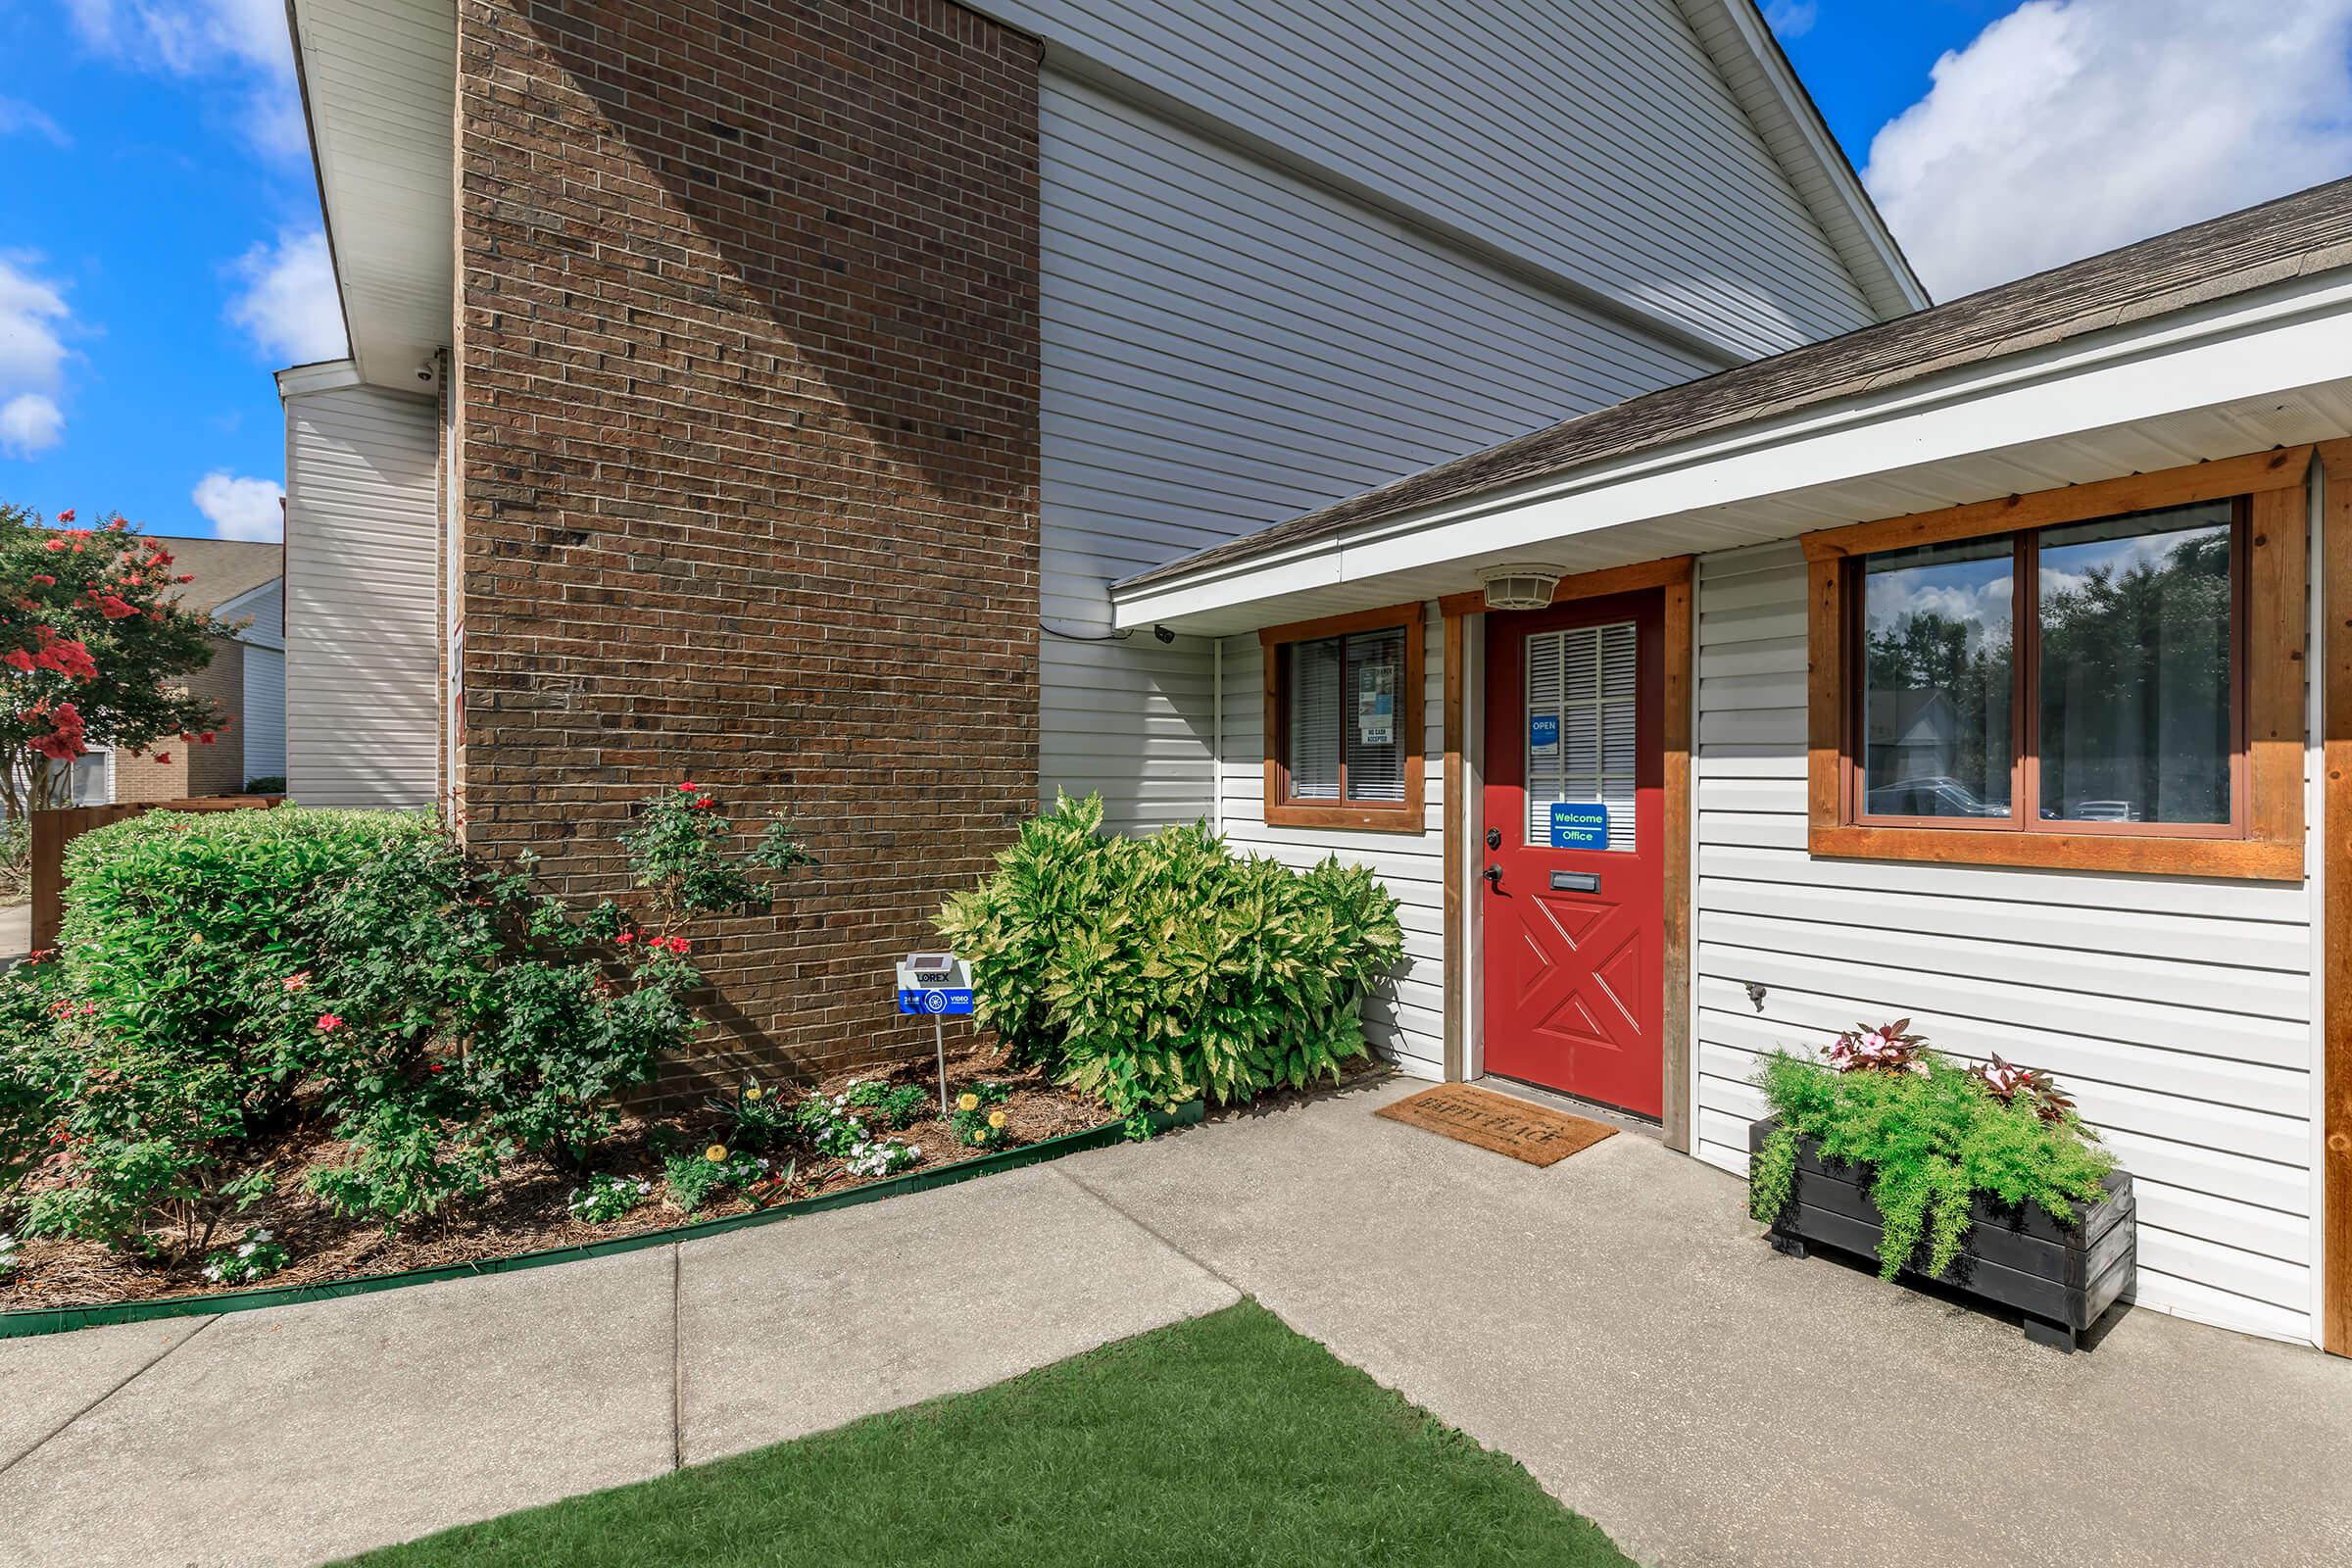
8, 1254
866, 1158
608, 1197
256, 1257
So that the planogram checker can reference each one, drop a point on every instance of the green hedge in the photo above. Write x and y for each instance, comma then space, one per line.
1152, 970
174, 917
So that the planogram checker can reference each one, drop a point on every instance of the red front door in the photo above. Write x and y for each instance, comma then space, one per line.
1575, 887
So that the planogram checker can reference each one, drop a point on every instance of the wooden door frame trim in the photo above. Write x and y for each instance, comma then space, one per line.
2334, 850
1457, 832
1673, 576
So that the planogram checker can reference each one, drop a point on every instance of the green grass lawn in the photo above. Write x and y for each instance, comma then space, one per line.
1225, 1440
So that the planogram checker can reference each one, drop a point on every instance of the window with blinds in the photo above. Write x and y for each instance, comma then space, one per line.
1345, 728
1583, 726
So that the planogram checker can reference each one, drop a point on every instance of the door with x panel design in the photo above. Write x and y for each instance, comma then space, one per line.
1574, 927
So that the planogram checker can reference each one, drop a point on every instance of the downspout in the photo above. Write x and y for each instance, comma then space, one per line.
452, 601
1216, 735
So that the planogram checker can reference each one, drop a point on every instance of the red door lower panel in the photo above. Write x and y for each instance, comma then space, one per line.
1575, 932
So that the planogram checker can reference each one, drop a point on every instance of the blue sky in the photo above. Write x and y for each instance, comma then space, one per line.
159, 254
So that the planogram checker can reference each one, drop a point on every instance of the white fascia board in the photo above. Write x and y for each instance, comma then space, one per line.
323, 375
2296, 336
241, 606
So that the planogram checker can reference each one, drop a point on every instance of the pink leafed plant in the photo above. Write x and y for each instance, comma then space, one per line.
1885, 1048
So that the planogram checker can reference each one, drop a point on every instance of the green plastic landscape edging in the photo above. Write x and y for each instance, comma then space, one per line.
61, 1319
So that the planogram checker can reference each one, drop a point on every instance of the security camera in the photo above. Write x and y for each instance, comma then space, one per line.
424, 372
1163, 634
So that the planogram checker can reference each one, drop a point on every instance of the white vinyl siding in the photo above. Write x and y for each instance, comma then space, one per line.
1404, 1021
1594, 139
264, 719
361, 712
1225, 346
261, 717
2178, 1010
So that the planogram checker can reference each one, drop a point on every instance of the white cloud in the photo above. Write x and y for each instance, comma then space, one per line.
244, 40
288, 304
34, 317
240, 509
187, 37
31, 422
1792, 18
31, 313
2072, 127
17, 114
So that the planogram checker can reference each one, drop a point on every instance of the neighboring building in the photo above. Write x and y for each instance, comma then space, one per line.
240, 583
894, 413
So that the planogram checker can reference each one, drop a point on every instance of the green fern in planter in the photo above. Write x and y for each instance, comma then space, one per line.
1151, 971
1934, 1137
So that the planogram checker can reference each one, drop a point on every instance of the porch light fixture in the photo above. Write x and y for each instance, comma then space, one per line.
1519, 587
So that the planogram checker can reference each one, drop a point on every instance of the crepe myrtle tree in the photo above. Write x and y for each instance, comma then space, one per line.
93, 643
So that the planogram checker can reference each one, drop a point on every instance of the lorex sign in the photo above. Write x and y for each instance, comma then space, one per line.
938, 984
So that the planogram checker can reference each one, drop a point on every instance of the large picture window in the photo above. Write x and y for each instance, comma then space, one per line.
1343, 721
2067, 679
2107, 676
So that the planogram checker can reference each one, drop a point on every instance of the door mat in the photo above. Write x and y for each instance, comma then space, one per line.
1508, 1126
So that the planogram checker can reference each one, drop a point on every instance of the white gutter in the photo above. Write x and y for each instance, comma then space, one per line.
2297, 334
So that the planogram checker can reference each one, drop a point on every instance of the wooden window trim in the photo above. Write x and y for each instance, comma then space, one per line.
2265, 844
1400, 817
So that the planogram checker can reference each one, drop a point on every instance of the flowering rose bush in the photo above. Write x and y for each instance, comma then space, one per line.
93, 643
222, 973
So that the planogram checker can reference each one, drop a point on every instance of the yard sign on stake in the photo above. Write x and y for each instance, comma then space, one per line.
939, 984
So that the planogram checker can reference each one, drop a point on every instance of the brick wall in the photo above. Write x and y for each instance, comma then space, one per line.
746, 369
195, 769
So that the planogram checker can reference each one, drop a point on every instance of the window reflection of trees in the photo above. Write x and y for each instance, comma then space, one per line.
2136, 711
2134, 698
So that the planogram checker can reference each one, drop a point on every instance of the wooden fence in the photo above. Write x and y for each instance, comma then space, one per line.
52, 831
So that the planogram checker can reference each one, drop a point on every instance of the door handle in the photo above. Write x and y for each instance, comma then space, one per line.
1494, 876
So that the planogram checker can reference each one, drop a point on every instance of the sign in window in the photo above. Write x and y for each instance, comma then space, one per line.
1582, 727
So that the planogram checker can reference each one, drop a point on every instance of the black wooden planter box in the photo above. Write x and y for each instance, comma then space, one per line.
2061, 1278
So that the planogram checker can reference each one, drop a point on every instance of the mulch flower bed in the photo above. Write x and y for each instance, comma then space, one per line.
526, 1210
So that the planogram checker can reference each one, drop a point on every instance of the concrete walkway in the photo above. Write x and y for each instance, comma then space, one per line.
1613, 1322
15, 932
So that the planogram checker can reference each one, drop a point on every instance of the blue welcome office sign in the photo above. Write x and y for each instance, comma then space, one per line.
1579, 825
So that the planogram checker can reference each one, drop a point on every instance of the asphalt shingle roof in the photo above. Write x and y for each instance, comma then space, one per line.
2294, 236
222, 568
